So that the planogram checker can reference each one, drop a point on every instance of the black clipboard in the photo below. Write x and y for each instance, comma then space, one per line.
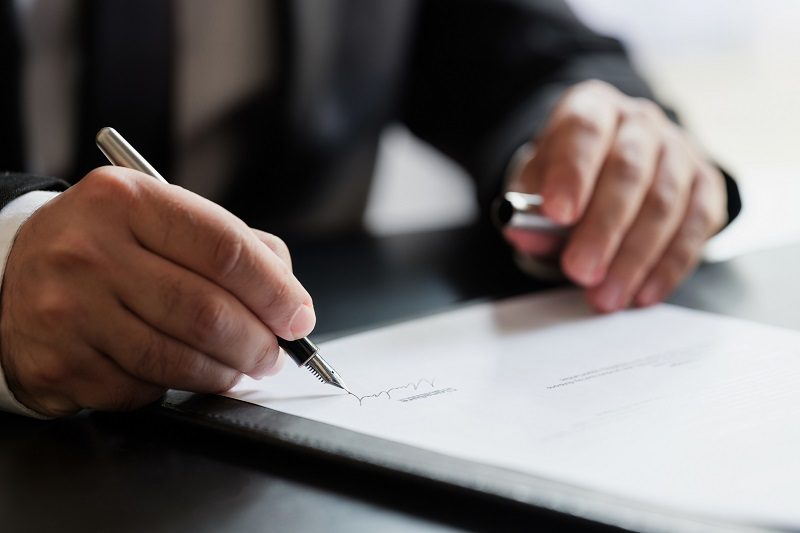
245, 422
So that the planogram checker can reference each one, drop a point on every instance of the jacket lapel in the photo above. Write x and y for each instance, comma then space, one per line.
126, 82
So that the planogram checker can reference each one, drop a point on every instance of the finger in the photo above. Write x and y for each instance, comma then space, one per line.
196, 312
572, 151
533, 243
75, 376
624, 180
277, 366
151, 356
203, 237
526, 171
41, 382
663, 209
683, 253
275, 244
524, 240
104, 386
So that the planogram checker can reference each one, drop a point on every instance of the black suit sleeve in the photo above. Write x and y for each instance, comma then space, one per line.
15, 185
485, 75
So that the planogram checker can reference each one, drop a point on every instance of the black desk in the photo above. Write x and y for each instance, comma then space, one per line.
132, 472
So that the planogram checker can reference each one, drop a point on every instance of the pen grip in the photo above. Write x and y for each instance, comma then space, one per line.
300, 350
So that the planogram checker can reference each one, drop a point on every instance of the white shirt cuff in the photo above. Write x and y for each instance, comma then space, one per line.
12, 216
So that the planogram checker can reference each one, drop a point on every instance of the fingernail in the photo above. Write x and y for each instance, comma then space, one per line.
611, 296
303, 321
650, 294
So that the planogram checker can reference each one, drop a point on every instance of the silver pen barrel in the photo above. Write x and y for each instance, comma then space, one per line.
122, 154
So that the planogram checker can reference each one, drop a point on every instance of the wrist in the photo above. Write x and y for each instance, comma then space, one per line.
12, 216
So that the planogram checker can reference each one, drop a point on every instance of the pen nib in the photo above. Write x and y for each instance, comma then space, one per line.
342, 386
325, 372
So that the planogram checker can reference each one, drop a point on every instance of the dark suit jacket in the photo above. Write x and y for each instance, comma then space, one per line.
475, 78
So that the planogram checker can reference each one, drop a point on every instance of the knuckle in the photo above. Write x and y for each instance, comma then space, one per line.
226, 381
105, 184
173, 365
211, 322
283, 251
170, 293
599, 86
190, 368
648, 109
227, 253
74, 252
662, 199
200, 373
279, 246
151, 361
625, 163
570, 172
56, 308
267, 355
578, 122
49, 376
281, 290
605, 234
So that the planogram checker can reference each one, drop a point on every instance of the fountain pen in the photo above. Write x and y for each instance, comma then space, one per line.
302, 351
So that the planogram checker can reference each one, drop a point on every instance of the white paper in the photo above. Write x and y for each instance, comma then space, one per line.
675, 408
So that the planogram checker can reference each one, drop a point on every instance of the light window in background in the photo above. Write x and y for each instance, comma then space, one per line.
731, 69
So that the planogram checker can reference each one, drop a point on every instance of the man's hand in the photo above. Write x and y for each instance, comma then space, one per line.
642, 198
122, 287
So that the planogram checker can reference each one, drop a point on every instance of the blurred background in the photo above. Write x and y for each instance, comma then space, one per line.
732, 71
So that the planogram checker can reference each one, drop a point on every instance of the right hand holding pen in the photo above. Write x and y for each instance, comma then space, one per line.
122, 287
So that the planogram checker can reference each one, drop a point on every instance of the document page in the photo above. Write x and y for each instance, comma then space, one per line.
681, 409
